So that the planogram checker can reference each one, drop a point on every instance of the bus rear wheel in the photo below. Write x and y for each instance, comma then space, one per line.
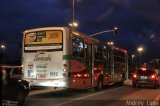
99, 84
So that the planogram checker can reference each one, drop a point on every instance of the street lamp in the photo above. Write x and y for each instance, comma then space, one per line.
74, 24
140, 49
110, 43
3, 47
73, 5
132, 58
115, 30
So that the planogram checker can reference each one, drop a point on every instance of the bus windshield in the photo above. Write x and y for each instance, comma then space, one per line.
43, 41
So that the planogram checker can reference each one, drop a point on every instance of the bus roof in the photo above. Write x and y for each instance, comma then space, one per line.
85, 36
79, 34
44, 28
121, 50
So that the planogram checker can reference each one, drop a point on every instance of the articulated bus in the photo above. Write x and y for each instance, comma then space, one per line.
61, 57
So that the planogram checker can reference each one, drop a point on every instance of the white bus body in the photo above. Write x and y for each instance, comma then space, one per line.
43, 56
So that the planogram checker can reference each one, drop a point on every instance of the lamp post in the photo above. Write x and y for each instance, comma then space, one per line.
3, 47
73, 5
132, 58
140, 49
115, 30
73, 24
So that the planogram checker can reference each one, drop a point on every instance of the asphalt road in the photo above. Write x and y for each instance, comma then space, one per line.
110, 96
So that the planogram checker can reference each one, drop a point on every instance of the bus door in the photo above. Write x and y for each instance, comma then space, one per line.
89, 56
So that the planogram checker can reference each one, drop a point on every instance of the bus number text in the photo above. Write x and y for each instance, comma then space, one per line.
53, 73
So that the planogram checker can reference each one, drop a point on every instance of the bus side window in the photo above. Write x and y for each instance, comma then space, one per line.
78, 47
99, 53
96, 52
86, 51
104, 55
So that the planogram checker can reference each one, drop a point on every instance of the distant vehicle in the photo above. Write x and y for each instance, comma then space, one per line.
61, 57
146, 76
13, 71
14, 91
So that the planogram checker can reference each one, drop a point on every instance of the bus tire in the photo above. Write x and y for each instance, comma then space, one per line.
99, 84
121, 83
67, 92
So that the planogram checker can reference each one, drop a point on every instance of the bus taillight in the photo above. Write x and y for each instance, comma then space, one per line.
153, 76
79, 75
86, 75
134, 75
65, 69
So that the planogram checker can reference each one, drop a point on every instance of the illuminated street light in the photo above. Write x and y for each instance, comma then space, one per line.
140, 49
3, 47
132, 58
133, 55
74, 24
115, 30
110, 43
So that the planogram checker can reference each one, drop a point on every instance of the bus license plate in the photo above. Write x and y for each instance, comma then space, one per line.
143, 77
41, 76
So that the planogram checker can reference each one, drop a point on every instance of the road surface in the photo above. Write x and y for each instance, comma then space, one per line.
110, 96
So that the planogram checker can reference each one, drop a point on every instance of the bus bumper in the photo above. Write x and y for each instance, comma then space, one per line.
48, 83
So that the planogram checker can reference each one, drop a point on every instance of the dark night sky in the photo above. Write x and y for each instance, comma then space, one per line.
138, 21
